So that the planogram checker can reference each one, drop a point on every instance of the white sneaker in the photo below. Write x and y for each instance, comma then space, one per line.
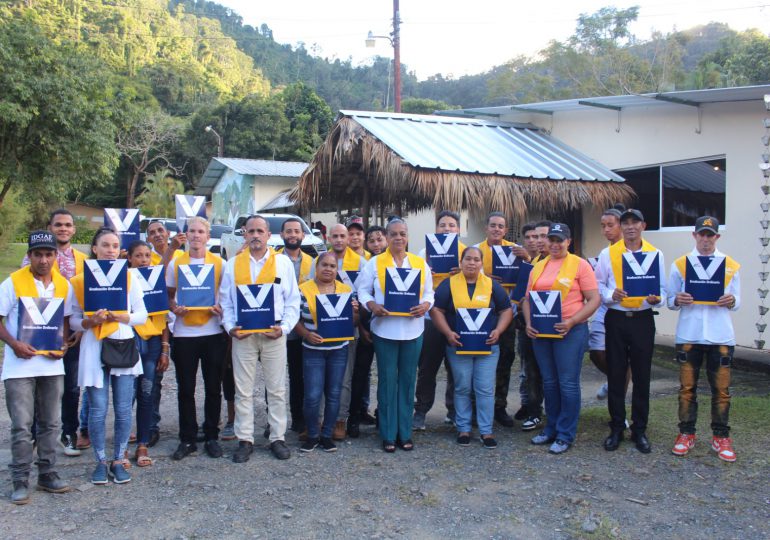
70, 448
601, 393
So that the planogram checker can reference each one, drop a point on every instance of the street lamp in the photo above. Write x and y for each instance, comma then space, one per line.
395, 42
220, 142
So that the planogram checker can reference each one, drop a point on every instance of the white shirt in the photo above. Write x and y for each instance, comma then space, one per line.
90, 372
37, 366
607, 285
701, 323
178, 327
392, 327
286, 294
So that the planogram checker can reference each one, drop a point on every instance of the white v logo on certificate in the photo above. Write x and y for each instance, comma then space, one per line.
506, 259
255, 301
474, 325
102, 279
121, 224
708, 272
193, 279
441, 247
333, 310
545, 307
641, 268
403, 285
34, 313
151, 281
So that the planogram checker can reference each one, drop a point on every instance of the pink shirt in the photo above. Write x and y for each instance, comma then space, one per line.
585, 280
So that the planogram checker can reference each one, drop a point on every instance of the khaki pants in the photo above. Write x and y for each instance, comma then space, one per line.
272, 354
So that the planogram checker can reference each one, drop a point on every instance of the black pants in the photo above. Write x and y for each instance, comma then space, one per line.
504, 365
431, 357
296, 383
629, 340
533, 380
359, 385
70, 399
210, 351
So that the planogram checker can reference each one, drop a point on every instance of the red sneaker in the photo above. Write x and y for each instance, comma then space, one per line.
684, 443
723, 446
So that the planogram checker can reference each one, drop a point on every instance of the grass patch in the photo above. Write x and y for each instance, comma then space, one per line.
10, 259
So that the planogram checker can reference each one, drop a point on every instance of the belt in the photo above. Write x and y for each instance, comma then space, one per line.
632, 314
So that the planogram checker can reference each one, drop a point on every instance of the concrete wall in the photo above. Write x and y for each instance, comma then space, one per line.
236, 194
667, 133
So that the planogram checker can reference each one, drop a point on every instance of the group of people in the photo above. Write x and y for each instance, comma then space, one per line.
329, 318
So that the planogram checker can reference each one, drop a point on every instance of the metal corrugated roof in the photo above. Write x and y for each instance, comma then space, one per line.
255, 167
480, 147
677, 98
278, 202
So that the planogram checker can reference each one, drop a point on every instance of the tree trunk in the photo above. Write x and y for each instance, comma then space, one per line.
6, 188
130, 194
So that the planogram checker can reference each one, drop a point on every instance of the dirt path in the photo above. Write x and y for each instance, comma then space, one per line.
438, 491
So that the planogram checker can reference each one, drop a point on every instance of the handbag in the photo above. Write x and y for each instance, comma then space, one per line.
119, 353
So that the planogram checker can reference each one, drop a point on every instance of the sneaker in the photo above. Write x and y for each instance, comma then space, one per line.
51, 483
184, 450
118, 473
541, 438
327, 445
723, 446
602, 392
309, 445
559, 447
243, 453
70, 445
228, 433
99, 476
213, 449
84, 442
339, 430
488, 442
531, 423
464, 440
683, 444
418, 422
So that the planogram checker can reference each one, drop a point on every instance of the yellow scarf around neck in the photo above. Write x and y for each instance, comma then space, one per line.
482, 294
616, 261
564, 278
385, 259
305, 266
200, 316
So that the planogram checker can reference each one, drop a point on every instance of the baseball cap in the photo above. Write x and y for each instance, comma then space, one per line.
707, 223
355, 221
41, 240
632, 213
560, 230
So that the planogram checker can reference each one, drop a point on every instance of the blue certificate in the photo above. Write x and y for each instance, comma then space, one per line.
641, 276
41, 323
335, 316
704, 278
348, 277
545, 312
196, 288
505, 265
442, 252
188, 206
402, 290
255, 307
125, 222
152, 280
474, 326
106, 285
520, 290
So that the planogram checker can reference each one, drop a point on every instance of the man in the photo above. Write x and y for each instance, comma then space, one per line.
293, 235
531, 386
496, 230
33, 382
197, 338
261, 265
630, 333
356, 237
433, 341
68, 262
704, 333
541, 240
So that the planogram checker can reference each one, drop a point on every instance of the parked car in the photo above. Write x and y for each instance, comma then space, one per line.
213, 245
232, 242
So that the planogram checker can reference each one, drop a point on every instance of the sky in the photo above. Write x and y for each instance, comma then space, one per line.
456, 38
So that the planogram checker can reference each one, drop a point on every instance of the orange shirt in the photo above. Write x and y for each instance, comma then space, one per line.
585, 280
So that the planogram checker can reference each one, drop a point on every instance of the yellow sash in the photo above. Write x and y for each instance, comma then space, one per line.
153, 327
310, 290
482, 294
155, 258
367, 255
537, 259
439, 278
616, 261
200, 316
731, 267
24, 285
243, 269
305, 267
565, 277
351, 261
78, 286
385, 259
486, 249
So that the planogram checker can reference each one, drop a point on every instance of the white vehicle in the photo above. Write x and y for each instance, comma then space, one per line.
232, 242
213, 245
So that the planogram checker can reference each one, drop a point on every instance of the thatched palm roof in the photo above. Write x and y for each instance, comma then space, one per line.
417, 162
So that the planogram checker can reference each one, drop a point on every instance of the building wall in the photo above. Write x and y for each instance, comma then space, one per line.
236, 194
667, 133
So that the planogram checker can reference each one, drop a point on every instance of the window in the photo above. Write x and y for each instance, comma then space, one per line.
675, 195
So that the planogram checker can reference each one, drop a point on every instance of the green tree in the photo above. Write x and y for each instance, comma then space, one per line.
56, 134
423, 106
742, 59
157, 196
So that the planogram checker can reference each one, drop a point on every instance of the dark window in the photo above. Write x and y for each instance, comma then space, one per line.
646, 184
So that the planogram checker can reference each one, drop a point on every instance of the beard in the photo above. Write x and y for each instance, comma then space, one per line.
292, 245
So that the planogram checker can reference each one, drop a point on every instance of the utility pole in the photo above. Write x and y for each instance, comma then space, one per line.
396, 58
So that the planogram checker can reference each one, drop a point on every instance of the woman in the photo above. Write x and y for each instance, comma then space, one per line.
471, 289
152, 342
560, 359
397, 337
97, 379
323, 362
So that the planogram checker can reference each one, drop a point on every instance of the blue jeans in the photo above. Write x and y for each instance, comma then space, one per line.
560, 361
84, 407
98, 399
150, 353
323, 372
477, 374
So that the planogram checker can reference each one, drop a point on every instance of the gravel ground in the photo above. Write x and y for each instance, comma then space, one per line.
437, 491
